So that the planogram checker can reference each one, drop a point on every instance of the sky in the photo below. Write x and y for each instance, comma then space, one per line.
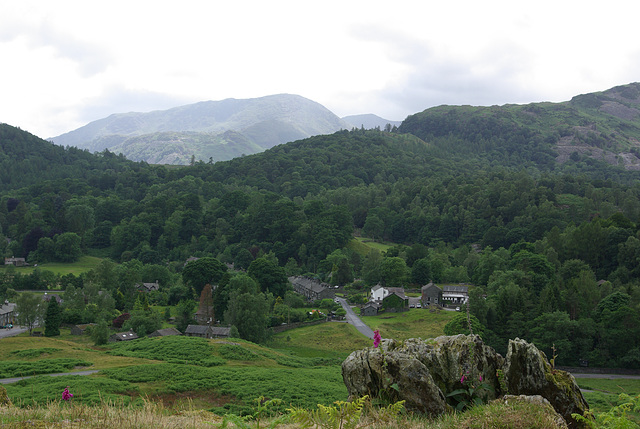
65, 63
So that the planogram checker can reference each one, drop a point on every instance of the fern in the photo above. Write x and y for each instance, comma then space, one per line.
616, 417
344, 415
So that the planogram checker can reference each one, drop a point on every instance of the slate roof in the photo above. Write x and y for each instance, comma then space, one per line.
165, 332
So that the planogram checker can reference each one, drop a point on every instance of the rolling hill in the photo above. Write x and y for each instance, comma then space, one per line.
209, 130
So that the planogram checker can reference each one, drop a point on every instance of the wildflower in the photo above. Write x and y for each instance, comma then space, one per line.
480, 378
66, 395
376, 338
462, 379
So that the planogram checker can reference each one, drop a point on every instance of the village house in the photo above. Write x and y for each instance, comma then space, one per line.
431, 295
455, 295
148, 287
16, 262
205, 331
6, 313
123, 336
396, 301
48, 296
369, 309
379, 292
80, 329
164, 332
312, 289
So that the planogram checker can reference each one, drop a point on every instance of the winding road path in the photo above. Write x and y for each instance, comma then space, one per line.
355, 320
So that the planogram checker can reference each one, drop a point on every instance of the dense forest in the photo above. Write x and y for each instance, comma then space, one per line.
470, 195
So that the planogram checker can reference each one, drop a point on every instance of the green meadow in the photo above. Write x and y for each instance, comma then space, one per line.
82, 265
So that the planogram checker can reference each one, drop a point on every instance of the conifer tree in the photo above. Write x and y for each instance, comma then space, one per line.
52, 319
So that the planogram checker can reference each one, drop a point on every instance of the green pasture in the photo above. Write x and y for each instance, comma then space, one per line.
330, 340
415, 323
363, 245
84, 264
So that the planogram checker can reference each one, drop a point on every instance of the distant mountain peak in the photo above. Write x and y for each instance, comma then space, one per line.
369, 121
264, 122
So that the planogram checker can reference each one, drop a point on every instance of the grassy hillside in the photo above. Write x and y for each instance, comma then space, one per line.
161, 382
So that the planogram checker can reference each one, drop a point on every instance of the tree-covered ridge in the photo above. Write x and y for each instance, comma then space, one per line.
342, 159
26, 159
598, 126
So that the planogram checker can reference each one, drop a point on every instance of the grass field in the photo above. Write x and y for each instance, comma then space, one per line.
603, 393
84, 264
415, 323
364, 245
300, 366
332, 339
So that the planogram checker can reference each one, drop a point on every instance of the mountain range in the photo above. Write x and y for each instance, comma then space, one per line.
211, 130
601, 126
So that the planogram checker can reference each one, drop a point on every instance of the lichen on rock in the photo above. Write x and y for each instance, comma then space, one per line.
4, 398
528, 372
423, 372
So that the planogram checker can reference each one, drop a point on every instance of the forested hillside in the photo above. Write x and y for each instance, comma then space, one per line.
468, 194
602, 126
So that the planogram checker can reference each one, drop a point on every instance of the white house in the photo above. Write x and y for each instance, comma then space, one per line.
455, 294
378, 293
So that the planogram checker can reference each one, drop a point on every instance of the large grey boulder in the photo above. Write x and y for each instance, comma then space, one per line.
528, 372
423, 372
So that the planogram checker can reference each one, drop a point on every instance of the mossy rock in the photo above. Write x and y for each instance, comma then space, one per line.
4, 398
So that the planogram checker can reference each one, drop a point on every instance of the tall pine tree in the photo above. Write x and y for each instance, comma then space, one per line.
52, 318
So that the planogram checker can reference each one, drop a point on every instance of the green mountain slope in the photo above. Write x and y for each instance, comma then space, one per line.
26, 160
599, 126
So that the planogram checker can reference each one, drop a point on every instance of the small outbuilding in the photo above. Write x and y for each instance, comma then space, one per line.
80, 329
123, 336
370, 309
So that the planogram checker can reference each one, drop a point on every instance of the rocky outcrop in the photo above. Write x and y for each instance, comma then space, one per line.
528, 372
423, 372
4, 398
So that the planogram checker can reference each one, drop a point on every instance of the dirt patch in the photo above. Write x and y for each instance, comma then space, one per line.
192, 399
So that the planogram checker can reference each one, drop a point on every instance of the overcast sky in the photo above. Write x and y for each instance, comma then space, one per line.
66, 63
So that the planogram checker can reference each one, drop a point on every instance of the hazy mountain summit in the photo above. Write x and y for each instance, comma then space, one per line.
369, 121
217, 130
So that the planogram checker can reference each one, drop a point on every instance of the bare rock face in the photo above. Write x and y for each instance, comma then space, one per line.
528, 372
423, 372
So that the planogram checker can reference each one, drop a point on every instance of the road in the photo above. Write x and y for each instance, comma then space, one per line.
609, 376
353, 319
12, 332
15, 379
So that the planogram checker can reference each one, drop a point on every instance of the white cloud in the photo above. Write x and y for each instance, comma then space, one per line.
68, 62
